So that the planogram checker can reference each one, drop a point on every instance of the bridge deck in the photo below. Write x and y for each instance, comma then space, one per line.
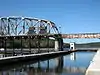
94, 68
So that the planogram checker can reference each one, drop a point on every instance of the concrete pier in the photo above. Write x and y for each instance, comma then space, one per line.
94, 67
56, 45
59, 44
40, 56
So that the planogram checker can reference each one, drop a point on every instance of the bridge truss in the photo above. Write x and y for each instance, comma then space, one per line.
15, 26
81, 35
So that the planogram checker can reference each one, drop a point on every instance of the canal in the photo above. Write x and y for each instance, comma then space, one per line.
71, 64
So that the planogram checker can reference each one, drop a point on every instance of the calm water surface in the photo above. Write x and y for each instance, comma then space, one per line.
72, 64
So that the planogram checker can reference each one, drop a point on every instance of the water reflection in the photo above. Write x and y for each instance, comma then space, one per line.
73, 56
64, 65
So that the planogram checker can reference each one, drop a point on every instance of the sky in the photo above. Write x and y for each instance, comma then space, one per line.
73, 16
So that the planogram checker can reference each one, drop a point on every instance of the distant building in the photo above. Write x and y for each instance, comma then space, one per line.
72, 46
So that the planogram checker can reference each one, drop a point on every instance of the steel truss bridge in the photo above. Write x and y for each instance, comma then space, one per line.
28, 29
22, 26
27, 32
25, 26
12, 26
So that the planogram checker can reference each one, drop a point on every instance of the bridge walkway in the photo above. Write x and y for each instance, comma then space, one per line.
12, 59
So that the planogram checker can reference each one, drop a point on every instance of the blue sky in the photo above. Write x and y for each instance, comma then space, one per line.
73, 16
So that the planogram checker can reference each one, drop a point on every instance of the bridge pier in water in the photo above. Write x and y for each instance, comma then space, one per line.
58, 43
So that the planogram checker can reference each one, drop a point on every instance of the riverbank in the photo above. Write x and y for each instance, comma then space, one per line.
94, 67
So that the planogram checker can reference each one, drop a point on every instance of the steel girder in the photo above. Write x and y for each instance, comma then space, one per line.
13, 26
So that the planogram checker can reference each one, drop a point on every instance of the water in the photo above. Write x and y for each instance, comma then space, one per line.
72, 64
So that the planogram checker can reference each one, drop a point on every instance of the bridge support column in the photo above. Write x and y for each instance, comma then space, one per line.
56, 45
59, 44
2, 43
5, 46
13, 46
21, 46
48, 43
38, 39
29, 44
